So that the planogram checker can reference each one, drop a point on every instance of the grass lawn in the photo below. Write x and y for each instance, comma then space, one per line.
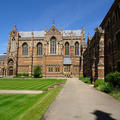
26, 107
28, 84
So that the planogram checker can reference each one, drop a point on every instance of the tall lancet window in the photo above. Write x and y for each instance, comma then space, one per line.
66, 48
39, 49
53, 45
25, 49
76, 48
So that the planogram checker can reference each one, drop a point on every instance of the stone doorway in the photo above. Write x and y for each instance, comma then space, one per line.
10, 67
67, 71
67, 63
11, 71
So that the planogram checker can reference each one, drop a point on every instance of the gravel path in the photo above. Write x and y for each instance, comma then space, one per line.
80, 101
20, 92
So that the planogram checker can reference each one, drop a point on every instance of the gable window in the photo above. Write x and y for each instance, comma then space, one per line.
39, 49
76, 48
25, 49
118, 40
53, 45
66, 48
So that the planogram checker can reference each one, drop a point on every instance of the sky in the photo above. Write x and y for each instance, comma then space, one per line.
36, 15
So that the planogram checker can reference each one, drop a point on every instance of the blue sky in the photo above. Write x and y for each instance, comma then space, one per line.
31, 15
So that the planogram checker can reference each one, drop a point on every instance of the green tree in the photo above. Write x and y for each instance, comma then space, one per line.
37, 72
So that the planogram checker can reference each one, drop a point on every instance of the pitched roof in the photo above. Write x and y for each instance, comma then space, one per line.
66, 33
73, 32
67, 61
29, 34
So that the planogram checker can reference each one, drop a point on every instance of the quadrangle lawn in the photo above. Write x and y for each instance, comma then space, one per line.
28, 84
26, 107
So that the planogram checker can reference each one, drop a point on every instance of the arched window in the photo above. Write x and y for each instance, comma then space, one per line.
66, 48
76, 48
39, 49
53, 45
24, 49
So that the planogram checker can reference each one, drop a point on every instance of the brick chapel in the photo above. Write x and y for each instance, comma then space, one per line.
58, 52
64, 52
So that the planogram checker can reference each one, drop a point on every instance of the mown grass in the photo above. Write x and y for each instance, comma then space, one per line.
26, 107
28, 84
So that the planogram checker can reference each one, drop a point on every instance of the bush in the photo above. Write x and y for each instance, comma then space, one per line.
113, 78
105, 87
85, 79
98, 82
37, 72
22, 74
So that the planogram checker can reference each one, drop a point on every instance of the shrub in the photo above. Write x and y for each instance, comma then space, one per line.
85, 79
116, 94
98, 82
105, 87
37, 72
113, 78
22, 74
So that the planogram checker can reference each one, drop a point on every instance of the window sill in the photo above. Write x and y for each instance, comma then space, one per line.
53, 72
25, 56
38, 56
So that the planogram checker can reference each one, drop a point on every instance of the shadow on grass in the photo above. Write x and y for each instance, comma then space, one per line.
100, 115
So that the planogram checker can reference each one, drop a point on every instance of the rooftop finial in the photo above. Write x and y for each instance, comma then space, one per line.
61, 29
14, 27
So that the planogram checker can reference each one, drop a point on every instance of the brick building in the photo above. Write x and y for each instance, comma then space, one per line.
111, 25
3, 64
58, 52
93, 63
98, 62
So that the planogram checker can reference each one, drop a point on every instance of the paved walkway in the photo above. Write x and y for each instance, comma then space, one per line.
20, 92
79, 101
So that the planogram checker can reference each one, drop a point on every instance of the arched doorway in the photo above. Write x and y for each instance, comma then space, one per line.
10, 71
10, 67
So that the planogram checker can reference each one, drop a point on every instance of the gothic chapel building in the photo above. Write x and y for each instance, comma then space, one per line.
58, 52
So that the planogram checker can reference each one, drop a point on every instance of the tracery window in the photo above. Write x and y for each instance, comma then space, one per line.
25, 49
66, 48
53, 45
76, 48
39, 49
53, 68
57, 68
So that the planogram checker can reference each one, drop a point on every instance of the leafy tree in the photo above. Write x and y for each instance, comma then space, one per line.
37, 72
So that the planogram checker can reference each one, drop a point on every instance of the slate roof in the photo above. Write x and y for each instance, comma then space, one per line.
3, 57
29, 34
66, 33
67, 61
